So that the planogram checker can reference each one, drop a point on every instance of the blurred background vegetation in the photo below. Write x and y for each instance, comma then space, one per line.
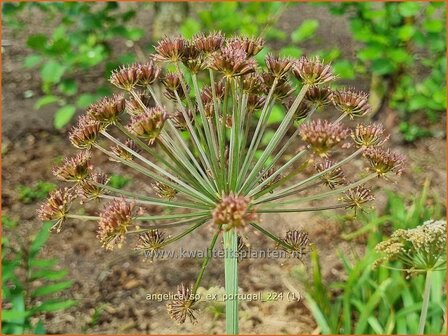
394, 50
400, 48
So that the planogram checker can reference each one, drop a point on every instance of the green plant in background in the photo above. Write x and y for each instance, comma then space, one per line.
403, 48
31, 286
81, 42
37, 192
378, 300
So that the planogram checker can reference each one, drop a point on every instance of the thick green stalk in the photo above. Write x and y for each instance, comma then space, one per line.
231, 280
424, 312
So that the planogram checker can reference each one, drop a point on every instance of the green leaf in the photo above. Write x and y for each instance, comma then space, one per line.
49, 275
409, 8
46, 100
406, 32
118, 181
43, 263
63, 116
37, 41
13, 316
344, 69
189, 28
52, 288
277, 115
433, 26
305, 31
68, 87
32, 60
134, 34
40, 239
370, 53
382, 66
85, 100
52, 72
291, 52
39, 329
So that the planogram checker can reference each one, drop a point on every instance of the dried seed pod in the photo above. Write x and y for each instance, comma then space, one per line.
74, 169
171, 49
233, 212
369, 135
267, 174
151, 241
322, 136
232, 62
208, 43
251, 46
333, 177
179, 121
138, 106
84, 135
313, 71
318, 97
357, 197
351, 102
164, 191
148, 73
183, 306
107, 110
299, 243
278, 66
57, 207
114, 223
126, 77
173, 85
148, 125
384, 161
253, 83
123, 153
91, 188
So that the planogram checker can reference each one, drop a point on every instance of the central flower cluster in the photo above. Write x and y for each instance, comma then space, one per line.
233, 211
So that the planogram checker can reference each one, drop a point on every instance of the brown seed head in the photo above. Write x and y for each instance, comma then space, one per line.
322, 136
84, 135
208, 43
171, 49
147, 73
253, 83
370, 135
148, 125
74, 169
299, 243
278, 66
351, 102
134, 106
114, 222
357, 197
251, 46
151, 241
56, 207
125, 77
283, 88
383, 161
313, 71
90, 188
233, 212
232, 62
164, 191
302, 110
123, 153
172, 83
318, 96
107, 110
182, 307
333, 177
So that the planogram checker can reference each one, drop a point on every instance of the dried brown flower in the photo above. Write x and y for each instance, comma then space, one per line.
333, 177
233, 212
123, 153
107, 110
172, 83
370, 135
134, 106
151, 241
84, 135
183, 306
318, 96
383, 161
114, 222
74, 169
313, 71
278, 66
126, 77
56, 207
299, 243
322, 136
357, 197
171, 49
164, 191
208, 43
251, 46
93, 187
351, 102
232, 62
148, 125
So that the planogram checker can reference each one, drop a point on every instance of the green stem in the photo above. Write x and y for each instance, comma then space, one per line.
424, 312
231, 280
205, 262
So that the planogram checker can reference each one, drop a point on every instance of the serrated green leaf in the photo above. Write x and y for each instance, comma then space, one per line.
52, 288
63, 116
